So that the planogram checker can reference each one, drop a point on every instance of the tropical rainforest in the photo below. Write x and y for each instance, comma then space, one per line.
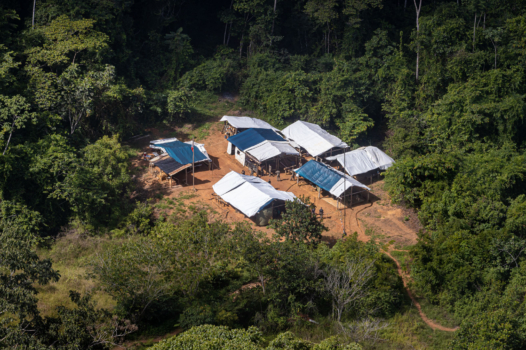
440, 85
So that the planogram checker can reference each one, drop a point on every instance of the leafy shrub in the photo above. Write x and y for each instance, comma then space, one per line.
196, 315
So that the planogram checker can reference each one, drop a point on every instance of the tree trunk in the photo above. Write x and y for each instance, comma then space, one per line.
273, 19
10, 134
417, 9
229, 32
33, 20
241, 46
474, 27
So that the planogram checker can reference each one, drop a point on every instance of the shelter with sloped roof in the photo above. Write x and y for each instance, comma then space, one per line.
235, 125
324, 177
262, 148
252, 196
313, 139
178, 156
363, 160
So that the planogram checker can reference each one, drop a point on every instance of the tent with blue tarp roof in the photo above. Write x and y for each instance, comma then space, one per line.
182, 152
328, 178
253, 137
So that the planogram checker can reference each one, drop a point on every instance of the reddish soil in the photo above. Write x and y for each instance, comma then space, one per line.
392, 225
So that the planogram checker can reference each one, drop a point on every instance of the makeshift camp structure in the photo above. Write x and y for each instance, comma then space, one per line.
234, 125
363, 160
262, 148
316, 141
177, 156
252, 196
330, 179
159, 145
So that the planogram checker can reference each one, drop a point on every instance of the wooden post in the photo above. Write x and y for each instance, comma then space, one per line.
368, 193
298, 180
186, 175
319, 192
351, 199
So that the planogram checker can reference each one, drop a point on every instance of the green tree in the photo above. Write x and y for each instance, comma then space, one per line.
298, 224
20, 271
15, 112
137, 274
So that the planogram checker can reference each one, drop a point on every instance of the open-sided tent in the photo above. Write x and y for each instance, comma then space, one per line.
363, 160
253, 137
177, 156
233, 125
259, 146
312, 138
251, 196
159, 145
328, 178
182, 151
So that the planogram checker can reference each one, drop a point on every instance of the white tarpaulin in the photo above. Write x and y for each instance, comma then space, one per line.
248, 194
157, 143
312, 138
247, 123
380, 158
363, 160
270, 149
344, 184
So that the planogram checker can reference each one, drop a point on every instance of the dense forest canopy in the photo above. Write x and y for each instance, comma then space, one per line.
440, 85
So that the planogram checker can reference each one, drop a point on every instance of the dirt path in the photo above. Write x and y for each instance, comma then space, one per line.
409, 237
405, 279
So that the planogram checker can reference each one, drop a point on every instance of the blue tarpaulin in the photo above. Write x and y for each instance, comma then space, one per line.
252, 137
182, 152
319, 174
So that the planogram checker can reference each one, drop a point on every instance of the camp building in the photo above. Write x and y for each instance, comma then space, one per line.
260, 149
252, 196
338, 184
235, 125
313, 139
176, 156
363, 161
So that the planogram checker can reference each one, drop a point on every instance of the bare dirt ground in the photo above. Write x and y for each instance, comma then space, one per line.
393, 226
381, 217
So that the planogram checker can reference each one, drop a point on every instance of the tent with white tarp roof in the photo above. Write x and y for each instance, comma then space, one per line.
363, 160
257, 146
238, 124
312, 138
271, 149
252, 196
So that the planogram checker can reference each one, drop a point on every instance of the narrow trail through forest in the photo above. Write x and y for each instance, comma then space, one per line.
405, 280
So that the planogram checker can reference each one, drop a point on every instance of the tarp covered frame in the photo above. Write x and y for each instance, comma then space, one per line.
238, 124
313, 138
249, 194
328, 178
364, 160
